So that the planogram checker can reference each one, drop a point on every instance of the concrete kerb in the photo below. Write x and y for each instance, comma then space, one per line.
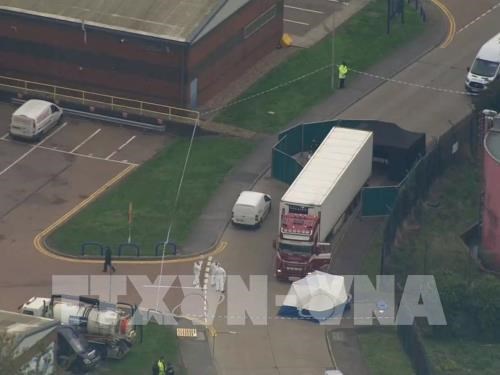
330, 349
40, 240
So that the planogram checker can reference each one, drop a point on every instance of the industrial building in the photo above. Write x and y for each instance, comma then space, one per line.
173, 52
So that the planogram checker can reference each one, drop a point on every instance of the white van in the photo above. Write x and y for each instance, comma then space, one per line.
486, 66
34, 119
251, 208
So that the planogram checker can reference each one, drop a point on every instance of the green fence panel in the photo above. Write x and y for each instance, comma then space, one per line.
378, 201
284, 167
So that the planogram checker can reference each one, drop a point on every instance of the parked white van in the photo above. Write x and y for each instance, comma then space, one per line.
34, 119
486, 66
251, 208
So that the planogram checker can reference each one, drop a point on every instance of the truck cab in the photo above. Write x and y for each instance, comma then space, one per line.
298, 248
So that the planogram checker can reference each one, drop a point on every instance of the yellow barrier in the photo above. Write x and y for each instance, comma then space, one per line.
93, 99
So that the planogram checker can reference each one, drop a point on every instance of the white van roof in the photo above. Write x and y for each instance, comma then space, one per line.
32, 108
249, 198
490, 50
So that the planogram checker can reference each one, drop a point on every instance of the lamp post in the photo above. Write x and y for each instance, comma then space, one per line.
333, 52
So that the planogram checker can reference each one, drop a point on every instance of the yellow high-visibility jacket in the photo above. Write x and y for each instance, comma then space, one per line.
343, 70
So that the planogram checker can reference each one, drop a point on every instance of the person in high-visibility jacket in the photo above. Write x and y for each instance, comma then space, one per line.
343, 70
161, 366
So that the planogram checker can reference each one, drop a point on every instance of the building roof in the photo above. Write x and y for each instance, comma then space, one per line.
179, 20
22, 325
326, 166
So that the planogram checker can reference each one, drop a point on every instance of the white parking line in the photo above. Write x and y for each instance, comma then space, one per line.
120, 148
86, 140
304, 9
297, 22
33, 148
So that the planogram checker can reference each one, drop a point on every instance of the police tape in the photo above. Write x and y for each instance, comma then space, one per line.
329, 66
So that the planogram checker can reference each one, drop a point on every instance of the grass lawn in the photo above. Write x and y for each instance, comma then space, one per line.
158, 341
383, 353
152, 189
437, 246
361, 41
380, 346
459, 357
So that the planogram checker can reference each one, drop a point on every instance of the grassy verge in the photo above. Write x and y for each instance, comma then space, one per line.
383, 353
459, 357
438, 250
380, 346
158, 341
152, 189
361, 41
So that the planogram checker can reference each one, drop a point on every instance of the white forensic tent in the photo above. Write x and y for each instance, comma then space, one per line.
318, 296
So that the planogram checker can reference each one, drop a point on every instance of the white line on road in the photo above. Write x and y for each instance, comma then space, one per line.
33, 148
479, 17
339, 2
304, 9
297, 22
86, 140
120, 148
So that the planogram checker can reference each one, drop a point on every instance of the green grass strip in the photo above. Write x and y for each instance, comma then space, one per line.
152, 189
361, 41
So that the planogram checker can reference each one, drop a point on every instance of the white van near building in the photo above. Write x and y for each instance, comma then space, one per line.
251, 208
34, 119
485, 67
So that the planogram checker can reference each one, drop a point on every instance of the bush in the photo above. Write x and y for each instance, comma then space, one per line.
484, 301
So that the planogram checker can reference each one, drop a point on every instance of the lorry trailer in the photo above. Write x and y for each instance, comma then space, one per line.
319, 201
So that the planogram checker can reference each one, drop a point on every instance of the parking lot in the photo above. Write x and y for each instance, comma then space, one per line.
303, 15
40, 182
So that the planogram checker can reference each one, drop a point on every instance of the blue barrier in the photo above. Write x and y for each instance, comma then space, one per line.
85, 245
159, 248
131, 246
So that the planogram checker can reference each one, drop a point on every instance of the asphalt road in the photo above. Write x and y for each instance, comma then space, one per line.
428, 109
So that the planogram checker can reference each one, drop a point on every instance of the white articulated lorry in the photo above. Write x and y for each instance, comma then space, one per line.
319, 201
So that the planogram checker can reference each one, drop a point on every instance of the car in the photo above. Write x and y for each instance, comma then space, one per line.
251, 208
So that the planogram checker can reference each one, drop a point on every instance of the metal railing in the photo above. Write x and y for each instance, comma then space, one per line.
103, 101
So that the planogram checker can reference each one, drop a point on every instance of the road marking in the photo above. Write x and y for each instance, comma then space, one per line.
89, 156
479, 17
33, 148
297, 22
304, 9
120, 148
451, 21
86, 140
339, 2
